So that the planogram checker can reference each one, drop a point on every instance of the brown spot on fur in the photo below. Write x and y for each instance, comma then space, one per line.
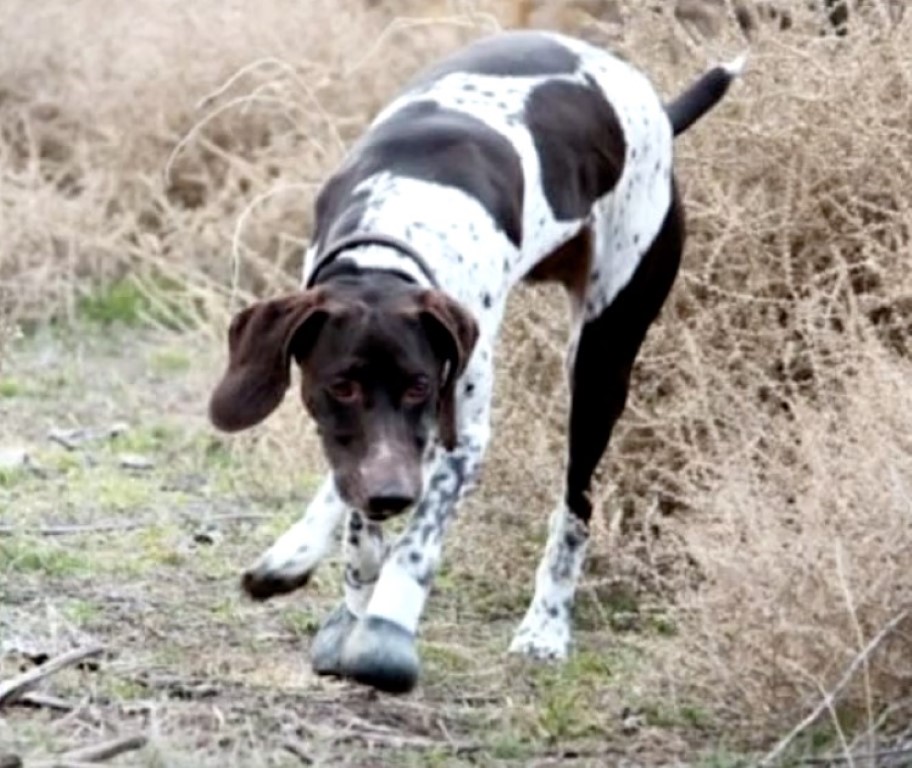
568, 264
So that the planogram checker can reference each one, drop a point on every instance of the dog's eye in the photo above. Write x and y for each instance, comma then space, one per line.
418, 390
344, 390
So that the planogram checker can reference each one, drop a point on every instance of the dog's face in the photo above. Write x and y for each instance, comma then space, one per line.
378, 358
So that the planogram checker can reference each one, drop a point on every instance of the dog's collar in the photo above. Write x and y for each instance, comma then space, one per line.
338, 247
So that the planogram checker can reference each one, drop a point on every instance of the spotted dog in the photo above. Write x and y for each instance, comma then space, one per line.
524, 156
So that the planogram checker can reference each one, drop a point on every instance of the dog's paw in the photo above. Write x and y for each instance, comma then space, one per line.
381, 654
547, 640
326, 648
262, 582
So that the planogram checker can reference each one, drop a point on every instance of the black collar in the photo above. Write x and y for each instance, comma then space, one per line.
338, 247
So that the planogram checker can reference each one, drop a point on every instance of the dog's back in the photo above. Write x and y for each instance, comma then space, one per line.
506, 147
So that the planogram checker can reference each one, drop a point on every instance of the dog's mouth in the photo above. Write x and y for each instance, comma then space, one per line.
381, 515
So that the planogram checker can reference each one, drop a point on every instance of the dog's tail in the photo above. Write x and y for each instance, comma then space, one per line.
703, 95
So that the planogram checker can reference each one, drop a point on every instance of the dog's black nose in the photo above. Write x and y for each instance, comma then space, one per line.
388, 504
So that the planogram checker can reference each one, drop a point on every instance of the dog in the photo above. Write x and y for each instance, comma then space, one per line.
524, 156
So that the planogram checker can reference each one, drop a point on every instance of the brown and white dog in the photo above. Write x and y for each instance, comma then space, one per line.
526, 155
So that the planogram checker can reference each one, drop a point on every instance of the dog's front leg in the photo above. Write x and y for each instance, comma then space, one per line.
290, 562
365, 550
380, 650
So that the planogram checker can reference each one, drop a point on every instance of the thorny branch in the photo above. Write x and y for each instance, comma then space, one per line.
828, 699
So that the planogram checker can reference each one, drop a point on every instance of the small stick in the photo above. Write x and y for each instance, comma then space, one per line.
123, 525
45, 700
96, 753
404, 741
68, 530
299, 750
13, 689
827, 701
874, 757
63, 763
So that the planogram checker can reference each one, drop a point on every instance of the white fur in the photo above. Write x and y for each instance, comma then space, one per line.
546, 628
398, 597
736, 66
300, 549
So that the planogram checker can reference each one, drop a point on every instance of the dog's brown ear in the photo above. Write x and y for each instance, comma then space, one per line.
453, 332
259, 357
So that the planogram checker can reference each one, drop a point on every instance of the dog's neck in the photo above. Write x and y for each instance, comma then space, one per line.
370, 251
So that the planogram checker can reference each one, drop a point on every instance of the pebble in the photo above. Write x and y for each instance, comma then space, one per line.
135, 461
14, 457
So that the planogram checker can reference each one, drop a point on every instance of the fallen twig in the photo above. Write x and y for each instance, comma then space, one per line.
299, 750
828, 698
44, 701
105, 526
234, 517
69, 530
400, 740
63, 763
874, 758
106, 750
13, 689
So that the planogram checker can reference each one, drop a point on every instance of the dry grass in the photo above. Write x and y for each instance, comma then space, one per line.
759, 484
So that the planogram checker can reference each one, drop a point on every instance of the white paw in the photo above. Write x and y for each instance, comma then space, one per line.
543, 638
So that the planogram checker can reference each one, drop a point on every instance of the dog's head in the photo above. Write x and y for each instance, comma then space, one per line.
379, 362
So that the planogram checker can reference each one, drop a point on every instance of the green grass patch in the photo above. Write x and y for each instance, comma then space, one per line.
509, 746
81, 612
158, 545
615, 606
10, 388
121, 302
149, 439
27, 555
662, 714
10, 477
444, 660
301, 622
722, 758
564, 702
119, 491
65, 462
126, 302
120, 689
165, 361
482, 596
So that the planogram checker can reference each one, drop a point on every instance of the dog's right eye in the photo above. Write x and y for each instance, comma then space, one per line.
345, 391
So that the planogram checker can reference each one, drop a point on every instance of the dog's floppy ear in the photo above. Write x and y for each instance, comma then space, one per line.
453, 333
260, 341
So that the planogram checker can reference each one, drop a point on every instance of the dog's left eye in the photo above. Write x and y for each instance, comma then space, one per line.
418, 390
345, 390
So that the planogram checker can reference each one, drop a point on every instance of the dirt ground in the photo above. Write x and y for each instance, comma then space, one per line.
128, 524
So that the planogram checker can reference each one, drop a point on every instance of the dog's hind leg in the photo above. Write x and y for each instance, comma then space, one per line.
607, 347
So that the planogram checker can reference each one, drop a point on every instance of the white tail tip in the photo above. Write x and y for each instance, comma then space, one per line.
736, 66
